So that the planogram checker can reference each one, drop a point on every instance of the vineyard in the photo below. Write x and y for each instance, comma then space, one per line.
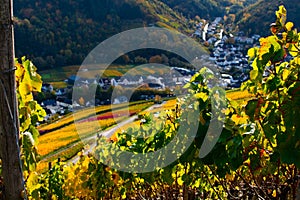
255, 156
61, 139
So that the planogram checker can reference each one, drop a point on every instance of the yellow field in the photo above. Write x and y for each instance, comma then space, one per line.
239, 95
69, 134
106, 73
169, 105
65, 132
59, 84
79, 115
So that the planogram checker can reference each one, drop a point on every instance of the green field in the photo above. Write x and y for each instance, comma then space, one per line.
57, 76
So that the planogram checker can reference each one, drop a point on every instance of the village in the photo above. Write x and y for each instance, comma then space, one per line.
228, 54
114, 90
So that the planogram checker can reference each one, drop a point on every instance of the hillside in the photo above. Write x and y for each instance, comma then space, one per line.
208, 9
62, 32
204, 9
57, 33
257, 18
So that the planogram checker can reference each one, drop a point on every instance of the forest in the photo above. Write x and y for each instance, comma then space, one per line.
56, 33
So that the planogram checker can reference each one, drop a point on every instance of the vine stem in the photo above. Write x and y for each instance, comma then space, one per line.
277, 89
257, 185
222, 184
185, 192
207, 177
250, 186
262, 130
277, 177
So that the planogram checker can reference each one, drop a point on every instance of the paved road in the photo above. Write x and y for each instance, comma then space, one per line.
108, 133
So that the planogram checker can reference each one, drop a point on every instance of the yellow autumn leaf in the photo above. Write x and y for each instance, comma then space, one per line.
128, 143
296, 61
265, 46
202, 96
25, 92
252, 53
239, 119
244, 120
284, 35
230, 177
281, 15
289, 26
274, 193
247, 162
235, 118
285, 74
294, 50
19, 71
180, 181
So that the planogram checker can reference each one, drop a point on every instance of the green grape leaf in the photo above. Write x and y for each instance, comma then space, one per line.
272, 84
251, 108
253, 75
35, 134
290, 155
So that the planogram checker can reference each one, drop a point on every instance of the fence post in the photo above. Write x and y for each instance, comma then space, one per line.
9, 120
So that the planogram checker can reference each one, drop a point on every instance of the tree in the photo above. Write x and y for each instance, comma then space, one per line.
9, 125
155, 59
140, 60
81, 101
165, 59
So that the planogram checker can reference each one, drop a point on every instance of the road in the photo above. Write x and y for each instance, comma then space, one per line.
108, 133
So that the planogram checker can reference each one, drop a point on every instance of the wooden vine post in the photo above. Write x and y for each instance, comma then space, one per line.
9, 121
